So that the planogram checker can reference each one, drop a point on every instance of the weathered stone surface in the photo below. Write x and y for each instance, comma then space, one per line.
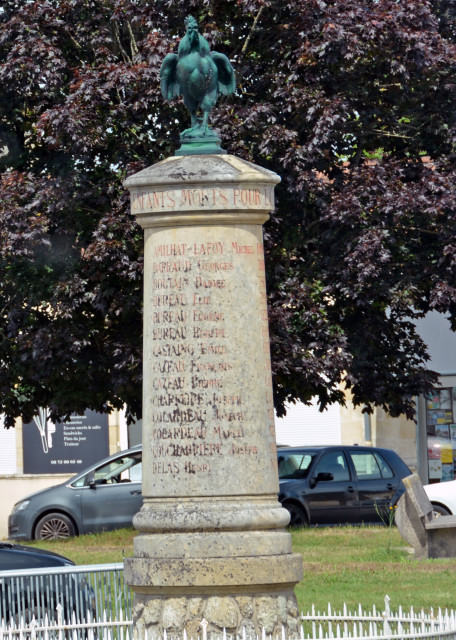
216, 184
210, 420
282, 609
250, 630
152, 612
193, 628
291, 625
195, 607
222, 612
231, 613
138, 609
267, 613
430, 537
195, 574
292, 606
174, 613
246, 604
213, 540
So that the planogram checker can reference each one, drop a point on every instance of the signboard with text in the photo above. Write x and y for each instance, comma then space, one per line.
66, 447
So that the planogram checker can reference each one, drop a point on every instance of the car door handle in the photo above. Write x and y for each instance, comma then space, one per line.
389, 486
351, 489
136, 493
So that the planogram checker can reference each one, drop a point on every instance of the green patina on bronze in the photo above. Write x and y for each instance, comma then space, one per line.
200, 76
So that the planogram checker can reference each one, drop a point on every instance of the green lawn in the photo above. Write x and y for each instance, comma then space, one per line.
349, 565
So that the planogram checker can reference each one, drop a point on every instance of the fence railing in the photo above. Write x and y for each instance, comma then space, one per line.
378, 625
84, 593
355, 625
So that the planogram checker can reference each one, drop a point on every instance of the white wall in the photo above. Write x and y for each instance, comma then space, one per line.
15, 488
306, 425
7, 449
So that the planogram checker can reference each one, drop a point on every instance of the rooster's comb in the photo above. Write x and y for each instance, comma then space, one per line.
190, 22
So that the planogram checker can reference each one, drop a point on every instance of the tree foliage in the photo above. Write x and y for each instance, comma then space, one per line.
351, 102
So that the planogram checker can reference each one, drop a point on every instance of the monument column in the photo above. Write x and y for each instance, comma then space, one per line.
212, 541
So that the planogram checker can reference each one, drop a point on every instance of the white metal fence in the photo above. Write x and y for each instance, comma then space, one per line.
378, 625
356, 625
84, 592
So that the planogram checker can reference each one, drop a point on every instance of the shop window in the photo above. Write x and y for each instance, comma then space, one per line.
441, 434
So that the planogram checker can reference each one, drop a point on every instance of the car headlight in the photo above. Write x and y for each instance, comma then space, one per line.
20, 506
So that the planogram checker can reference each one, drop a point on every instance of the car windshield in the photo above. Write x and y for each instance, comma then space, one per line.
122, 469
294, 465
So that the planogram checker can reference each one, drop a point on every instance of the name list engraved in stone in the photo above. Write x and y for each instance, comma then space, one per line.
170, 283
168, 383
169, 333
180, 433
210, 366
207, 248
215, 267
169, 300
206, 383
179, 450
213, 349
229, 434
178, 349
209, 284
169, 366
199, 332
208, 316
167, 250
201, 299
180, 416
190, 399
180, 266
160, 317
194, 348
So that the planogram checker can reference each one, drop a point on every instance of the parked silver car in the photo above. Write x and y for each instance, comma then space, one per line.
106, 496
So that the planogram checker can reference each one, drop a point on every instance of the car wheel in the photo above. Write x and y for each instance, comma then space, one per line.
54, 525
298, 517
438, 510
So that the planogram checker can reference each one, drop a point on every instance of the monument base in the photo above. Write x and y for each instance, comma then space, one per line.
255, 607
227, 562
273, 612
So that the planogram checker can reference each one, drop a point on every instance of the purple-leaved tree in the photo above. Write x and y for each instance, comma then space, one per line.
351, 102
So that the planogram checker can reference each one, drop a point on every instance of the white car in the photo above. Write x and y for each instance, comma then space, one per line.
442, 496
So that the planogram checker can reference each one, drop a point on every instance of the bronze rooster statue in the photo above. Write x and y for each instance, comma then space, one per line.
198, 75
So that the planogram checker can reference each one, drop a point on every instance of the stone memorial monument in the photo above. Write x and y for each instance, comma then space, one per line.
212, 543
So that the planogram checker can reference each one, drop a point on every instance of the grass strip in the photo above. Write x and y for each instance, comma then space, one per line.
352, 565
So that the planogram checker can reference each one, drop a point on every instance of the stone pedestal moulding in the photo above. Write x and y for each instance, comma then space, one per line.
211, 537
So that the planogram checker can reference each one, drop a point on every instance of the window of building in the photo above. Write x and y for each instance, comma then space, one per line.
441, 434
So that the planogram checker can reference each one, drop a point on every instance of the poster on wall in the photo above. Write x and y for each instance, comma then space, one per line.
441, 433
65, 447
447, 472
435, 469
453, 435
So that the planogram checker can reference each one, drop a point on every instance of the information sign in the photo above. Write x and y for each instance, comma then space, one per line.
66, 447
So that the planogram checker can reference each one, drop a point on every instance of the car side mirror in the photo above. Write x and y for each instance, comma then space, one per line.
91, 482
323, 476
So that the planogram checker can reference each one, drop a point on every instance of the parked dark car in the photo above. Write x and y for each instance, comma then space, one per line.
339, 485
364, 483
103, 497
24, 594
